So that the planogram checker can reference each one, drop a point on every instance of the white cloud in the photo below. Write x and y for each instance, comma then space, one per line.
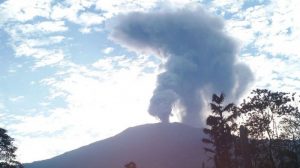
2, 106
37, 31
60, 12
228, 6
26, 50
45, 27
41, 124
49, 26
43, 57
71, 8
75, 11
16, 98
36, 41
177, 4
88, 19
112, 8
16, 10
50, 59
104, 64
272, 29
273, 73
269, 35
108, 50
85, 30
283, 34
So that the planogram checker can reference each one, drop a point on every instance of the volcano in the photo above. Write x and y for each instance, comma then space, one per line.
160, 145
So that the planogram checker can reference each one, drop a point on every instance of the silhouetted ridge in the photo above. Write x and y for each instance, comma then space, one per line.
160, 145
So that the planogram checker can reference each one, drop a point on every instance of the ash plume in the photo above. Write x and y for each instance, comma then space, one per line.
200, 59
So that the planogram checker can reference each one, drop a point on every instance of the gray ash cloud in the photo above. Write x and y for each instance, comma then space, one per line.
201, 59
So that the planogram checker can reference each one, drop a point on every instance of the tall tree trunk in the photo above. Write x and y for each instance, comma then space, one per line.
271, 154
246, 158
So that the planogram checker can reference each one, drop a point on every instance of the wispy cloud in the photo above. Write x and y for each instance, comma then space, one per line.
38, 41
268, 33
43, 56
2, 106
14, 10
88, 19
108, 50
112, 8
16, 98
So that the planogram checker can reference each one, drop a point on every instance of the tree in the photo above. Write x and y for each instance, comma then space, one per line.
222, 124
7, 151
264, 110
130, 165
291, 131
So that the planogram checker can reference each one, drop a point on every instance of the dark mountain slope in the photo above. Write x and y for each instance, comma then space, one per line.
150, 146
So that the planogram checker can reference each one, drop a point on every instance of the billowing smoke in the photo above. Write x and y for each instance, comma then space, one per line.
200, 59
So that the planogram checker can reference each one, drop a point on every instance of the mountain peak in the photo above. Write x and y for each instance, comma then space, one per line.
160, 145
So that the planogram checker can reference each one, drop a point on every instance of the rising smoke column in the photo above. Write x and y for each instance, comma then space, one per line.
200, 58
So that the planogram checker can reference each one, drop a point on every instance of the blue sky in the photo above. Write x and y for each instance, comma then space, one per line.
65, 83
